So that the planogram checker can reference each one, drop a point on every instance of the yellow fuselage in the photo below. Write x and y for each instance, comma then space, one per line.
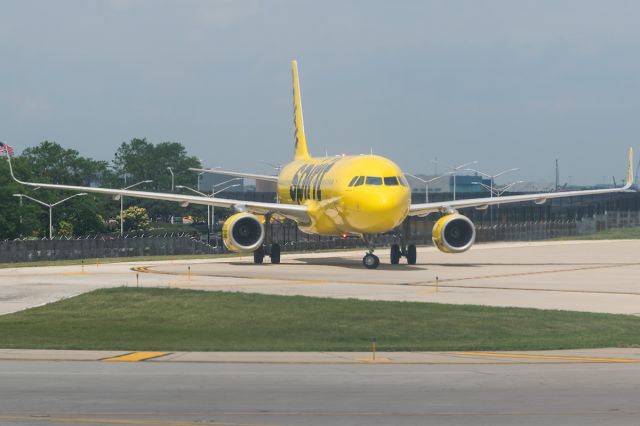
364, 194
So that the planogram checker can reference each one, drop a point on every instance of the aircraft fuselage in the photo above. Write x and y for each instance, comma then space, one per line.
365, 194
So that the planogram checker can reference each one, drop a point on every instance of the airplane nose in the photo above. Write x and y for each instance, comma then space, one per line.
385, 211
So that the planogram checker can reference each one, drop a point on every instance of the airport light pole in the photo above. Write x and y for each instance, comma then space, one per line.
213, 194
173, 179
501, 190
210, 207
492, 179
277, 168
427, 182
122, 201
50, 206
454, 172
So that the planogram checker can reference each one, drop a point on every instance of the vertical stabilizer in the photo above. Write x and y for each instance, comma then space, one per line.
300, 149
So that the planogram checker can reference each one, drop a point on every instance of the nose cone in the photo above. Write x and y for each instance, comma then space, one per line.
381, 210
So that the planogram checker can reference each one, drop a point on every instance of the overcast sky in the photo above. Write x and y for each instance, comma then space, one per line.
507, 83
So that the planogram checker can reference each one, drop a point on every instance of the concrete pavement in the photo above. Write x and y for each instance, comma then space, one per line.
597, 276
572, 356
190, 394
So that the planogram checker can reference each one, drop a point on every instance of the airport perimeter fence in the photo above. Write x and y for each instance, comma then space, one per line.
102, 246
292, 239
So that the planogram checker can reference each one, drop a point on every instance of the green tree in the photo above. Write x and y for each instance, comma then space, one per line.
18, 219
56, 164
140, 160
65, 229
135, 219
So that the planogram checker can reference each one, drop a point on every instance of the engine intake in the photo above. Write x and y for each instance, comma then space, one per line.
243, 232
453, 233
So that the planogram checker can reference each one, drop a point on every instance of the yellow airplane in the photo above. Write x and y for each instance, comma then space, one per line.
363, 195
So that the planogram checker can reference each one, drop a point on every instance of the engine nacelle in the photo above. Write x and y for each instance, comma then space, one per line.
453, 233
243, 232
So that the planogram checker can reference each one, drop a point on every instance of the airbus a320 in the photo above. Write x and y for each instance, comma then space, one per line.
361, 195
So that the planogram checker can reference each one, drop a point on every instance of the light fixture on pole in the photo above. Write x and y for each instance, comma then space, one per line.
454, 172
213, 194
210, 207
173, 180
122, 202
427, 182
492, 179
50, 206
277, 168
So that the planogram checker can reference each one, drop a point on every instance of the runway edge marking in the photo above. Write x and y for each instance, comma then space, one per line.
554, 357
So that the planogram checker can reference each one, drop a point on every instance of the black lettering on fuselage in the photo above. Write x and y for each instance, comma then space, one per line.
307, 181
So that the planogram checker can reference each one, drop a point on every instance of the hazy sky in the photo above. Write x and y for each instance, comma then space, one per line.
508, 83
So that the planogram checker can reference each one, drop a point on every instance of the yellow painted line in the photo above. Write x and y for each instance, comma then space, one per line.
77, 273
136, 356
373, 361
92, 421
554, 357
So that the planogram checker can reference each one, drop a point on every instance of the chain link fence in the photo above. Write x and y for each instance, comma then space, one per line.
292, 239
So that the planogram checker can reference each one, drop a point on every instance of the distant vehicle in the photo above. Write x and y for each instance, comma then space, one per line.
361, 195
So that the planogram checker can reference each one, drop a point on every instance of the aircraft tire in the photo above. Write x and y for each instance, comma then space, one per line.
370, 261
258, 255
275, 253
412, 256
395, 254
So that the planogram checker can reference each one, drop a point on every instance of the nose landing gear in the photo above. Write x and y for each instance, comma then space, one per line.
370, 261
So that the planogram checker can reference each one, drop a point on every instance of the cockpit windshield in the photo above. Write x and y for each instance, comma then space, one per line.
374, 180
391, 181
378, 181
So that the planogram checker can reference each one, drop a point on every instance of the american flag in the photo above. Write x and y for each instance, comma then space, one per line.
4, 147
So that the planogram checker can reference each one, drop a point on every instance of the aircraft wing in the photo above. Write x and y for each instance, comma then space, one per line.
237, 174
482, 203
292, 211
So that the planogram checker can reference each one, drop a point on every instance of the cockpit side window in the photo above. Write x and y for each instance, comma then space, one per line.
403, 181
355, 178
360, 181
374, 180
391, 181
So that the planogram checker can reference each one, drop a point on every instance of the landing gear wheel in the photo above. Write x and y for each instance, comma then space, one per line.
258, 255
370, 261
395, 254
412, 256
275, 253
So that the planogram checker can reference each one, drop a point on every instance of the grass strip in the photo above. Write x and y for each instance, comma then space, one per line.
190, 320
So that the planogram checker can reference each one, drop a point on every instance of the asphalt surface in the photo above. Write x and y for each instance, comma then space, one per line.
595, 276
93, 393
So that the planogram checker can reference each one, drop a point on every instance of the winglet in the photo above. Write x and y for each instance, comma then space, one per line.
11, 168
629, 181
300, 149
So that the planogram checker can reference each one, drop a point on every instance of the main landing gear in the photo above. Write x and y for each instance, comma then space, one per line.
408, 251
268, 248
273, 253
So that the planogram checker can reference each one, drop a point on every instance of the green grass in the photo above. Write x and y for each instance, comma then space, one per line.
104, 260
190, 320
609, 234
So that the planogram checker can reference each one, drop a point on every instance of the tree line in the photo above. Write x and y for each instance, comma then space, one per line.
49, 162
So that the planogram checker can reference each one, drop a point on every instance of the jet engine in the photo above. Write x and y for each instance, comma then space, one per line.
243, 232
453, 233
